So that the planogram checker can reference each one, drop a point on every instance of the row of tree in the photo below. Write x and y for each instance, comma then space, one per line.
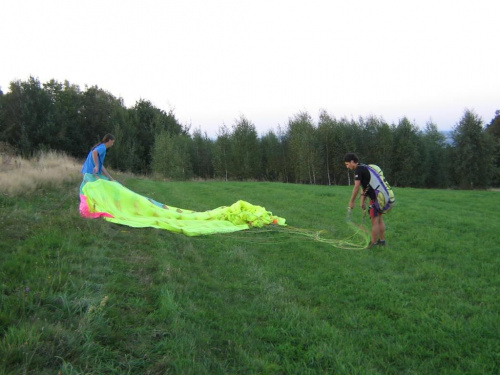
61, 116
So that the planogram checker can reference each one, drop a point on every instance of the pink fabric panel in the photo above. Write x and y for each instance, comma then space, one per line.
85, 212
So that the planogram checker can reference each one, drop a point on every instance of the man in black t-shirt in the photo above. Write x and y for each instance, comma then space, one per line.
362, 178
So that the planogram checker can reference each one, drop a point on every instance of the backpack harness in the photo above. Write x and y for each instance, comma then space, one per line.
385, 198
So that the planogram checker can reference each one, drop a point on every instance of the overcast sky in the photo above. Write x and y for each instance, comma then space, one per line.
213, 61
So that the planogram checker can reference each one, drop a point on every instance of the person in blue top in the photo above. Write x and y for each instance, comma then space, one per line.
94, 164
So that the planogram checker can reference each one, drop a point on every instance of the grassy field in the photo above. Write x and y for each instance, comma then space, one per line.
90, 297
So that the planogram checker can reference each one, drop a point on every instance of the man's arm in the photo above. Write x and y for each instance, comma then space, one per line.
363, 198
105, 171
355, 191
95, 157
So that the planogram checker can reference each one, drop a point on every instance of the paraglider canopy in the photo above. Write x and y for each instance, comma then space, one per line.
110, 200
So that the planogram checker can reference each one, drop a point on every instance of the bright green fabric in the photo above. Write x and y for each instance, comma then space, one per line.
134, 210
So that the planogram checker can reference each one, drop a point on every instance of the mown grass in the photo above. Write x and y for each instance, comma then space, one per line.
91, 297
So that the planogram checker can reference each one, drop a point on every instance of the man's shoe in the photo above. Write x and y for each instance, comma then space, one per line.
380, 243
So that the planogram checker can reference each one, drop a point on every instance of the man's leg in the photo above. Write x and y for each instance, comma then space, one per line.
375, 225
378, 228
381, 228
374, 221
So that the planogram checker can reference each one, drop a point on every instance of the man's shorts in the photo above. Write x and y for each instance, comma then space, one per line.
373, 210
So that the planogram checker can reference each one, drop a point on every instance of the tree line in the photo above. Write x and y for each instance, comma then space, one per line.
63, 117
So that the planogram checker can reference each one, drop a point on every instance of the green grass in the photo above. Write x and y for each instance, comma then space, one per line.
91, 297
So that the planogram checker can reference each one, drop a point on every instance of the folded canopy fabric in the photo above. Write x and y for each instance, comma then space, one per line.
110, 200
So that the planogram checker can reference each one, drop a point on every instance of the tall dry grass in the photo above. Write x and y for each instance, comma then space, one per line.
48, 169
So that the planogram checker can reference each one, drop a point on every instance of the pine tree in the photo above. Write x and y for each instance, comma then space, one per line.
473, 164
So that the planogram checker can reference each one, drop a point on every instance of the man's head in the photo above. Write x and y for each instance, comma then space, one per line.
351, 161
108, 140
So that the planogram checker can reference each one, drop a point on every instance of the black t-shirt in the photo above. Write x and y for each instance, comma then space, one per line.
362, 174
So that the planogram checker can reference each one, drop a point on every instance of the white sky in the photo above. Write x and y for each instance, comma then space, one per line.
212, 61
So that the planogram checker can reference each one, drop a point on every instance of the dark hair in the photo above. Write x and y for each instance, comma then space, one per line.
106, 138
351, 156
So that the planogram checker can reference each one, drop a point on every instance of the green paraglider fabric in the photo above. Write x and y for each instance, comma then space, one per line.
100, 197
